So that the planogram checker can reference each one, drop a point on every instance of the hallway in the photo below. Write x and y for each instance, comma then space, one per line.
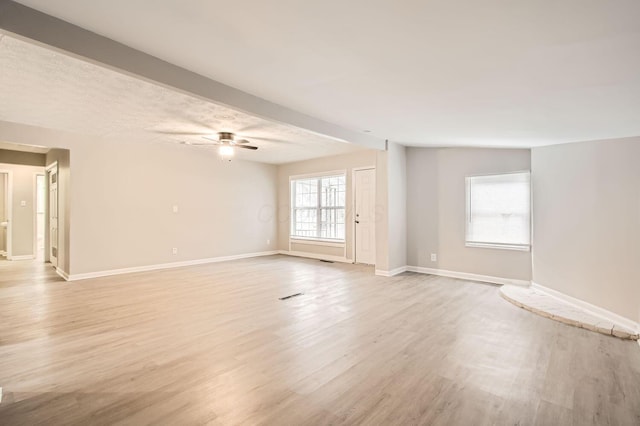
26, 273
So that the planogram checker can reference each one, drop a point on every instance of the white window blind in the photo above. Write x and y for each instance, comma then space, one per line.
499, 211
318, 208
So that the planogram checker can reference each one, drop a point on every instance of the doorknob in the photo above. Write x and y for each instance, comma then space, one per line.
357, 221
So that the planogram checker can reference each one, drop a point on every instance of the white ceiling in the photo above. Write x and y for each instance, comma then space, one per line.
466, 72
44, 88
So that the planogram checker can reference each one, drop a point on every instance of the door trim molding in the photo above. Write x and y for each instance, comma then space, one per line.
47, 220
51, 166
63, 274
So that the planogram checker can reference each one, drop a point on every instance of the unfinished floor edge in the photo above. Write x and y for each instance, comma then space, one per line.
542, 304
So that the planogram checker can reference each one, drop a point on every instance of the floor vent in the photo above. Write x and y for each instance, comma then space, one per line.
289, 297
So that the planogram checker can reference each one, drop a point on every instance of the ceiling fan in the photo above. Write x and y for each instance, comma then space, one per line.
226, 143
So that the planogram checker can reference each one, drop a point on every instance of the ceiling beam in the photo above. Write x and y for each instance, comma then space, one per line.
51, 32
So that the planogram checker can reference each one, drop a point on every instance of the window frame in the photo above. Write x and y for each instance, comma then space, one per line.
496, 245
317, 240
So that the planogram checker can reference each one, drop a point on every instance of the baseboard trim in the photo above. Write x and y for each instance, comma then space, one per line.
467, 276
391, 273
63, 274
146, 268
592, 309
315, 256
25, 257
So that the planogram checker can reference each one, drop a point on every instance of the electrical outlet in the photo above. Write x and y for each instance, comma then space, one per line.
434, 257
175, 250
175, 208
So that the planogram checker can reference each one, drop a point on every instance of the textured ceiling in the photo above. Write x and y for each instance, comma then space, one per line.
437, 72
24, 148
44, 88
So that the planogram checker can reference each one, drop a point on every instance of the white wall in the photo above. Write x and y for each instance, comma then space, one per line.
586, 222
23, 217
391, 208
122, 193
125, 211
347, 162
382, 211
397, 206
436, 210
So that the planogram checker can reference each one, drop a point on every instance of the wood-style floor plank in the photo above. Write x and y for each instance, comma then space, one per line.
213, 344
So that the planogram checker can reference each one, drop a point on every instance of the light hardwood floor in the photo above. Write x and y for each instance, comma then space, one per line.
213, 344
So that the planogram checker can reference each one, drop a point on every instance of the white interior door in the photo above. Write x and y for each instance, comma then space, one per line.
5, 214
364, 215
53, 215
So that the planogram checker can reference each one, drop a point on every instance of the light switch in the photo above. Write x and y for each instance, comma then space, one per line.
175, 208
23, 203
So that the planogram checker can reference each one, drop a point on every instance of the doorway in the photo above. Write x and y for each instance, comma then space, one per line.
364, 181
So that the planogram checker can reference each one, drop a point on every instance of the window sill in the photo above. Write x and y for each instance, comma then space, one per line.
316, 242
516, 247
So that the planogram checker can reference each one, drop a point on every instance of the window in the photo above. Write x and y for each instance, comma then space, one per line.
318, 208
499, 211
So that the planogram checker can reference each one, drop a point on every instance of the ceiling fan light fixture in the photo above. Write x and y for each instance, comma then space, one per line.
225, 137
226, 152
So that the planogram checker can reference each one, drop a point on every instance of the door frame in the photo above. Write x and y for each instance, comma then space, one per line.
9, 207
35, 211
353, 207
47, 217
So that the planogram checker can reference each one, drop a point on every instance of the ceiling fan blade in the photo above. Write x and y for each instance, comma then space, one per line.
246, 147
162, 132
241, 141
212, 143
